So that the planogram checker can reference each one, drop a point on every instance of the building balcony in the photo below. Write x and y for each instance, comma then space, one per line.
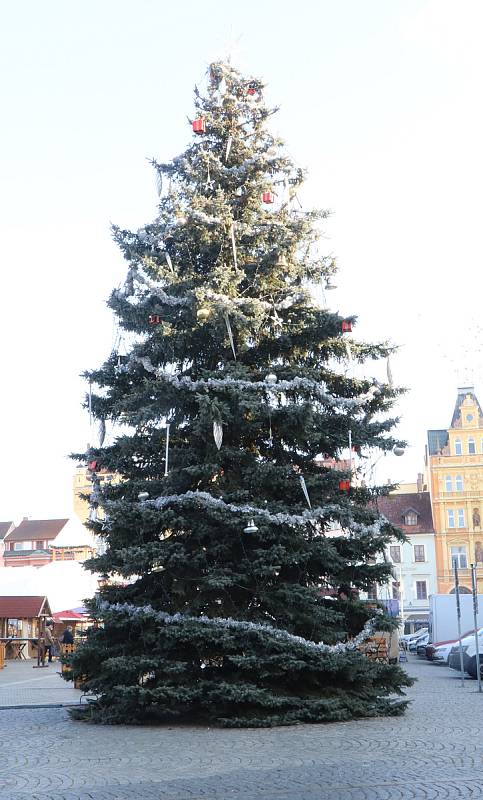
29, 553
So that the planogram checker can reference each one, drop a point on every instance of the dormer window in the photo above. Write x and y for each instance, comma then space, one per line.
410, 518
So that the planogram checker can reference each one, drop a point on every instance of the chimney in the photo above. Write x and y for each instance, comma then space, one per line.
419, 482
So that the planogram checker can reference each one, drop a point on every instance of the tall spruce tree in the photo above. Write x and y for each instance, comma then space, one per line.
229, 537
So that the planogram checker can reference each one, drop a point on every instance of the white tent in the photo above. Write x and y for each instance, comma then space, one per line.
65, 583
74, 534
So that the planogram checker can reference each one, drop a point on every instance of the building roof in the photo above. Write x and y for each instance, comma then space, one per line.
31, 529
4, 528
396, 506
437, 441
463, 392
17, 607
69, 616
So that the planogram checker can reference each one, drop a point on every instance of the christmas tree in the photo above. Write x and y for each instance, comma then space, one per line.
226, 537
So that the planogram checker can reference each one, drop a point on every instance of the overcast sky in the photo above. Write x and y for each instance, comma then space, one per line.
380, 100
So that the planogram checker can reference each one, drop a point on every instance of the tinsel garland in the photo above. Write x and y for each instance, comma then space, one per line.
279, 518
319, 389
241, 625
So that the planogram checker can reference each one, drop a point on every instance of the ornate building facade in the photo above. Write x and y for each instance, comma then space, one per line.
454, 460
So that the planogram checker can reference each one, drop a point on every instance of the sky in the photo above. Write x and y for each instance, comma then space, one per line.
380, 101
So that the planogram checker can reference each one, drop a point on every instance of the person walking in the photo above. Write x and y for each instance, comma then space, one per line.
49, 640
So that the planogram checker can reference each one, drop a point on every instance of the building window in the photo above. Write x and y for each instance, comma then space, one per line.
39, 545
450, 518
395, 591
22, 545
421, 590
459, 483
471, 447
457, 447
411, 518
419, 552
395, 553
461, 518
458, 557
372, 592
448, 483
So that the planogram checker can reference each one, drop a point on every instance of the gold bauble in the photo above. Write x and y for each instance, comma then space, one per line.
203, 314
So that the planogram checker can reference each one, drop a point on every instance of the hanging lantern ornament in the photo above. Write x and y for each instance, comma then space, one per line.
398, 451
252, 89
155, 319
250, 528
268, 197
143, 496
217, 433
329, 286
346, 326
271, 378
199, 125
344, 485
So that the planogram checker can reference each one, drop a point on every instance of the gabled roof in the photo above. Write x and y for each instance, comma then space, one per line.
462, 393
396, 506
17, 607
68, 616
31, 529
4, 528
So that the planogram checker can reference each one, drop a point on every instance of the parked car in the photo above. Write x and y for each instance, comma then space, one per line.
469, 653
413, 643
408, 638
439, 652
422, 645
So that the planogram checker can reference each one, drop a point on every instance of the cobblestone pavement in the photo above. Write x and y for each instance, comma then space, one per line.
434, 751
22, 684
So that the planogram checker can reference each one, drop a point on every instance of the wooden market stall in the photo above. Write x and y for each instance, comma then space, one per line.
22, 621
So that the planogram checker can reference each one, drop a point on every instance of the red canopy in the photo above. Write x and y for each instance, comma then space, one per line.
68, 616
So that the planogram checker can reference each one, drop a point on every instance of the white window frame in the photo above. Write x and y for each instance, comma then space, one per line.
425, 584
458, 450
461, 518
419, 560
448, 483
451, 518
395, 547
460, 556
471, 444
459, 483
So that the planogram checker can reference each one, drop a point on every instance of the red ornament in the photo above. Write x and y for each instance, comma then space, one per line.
154, 319
251, 90
92, 465
268, 197
344, 485
199, 125
346, 326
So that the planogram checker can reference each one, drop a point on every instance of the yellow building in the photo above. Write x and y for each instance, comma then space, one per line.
83, 485
454, 461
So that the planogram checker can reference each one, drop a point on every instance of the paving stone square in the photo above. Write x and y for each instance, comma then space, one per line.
434, 751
